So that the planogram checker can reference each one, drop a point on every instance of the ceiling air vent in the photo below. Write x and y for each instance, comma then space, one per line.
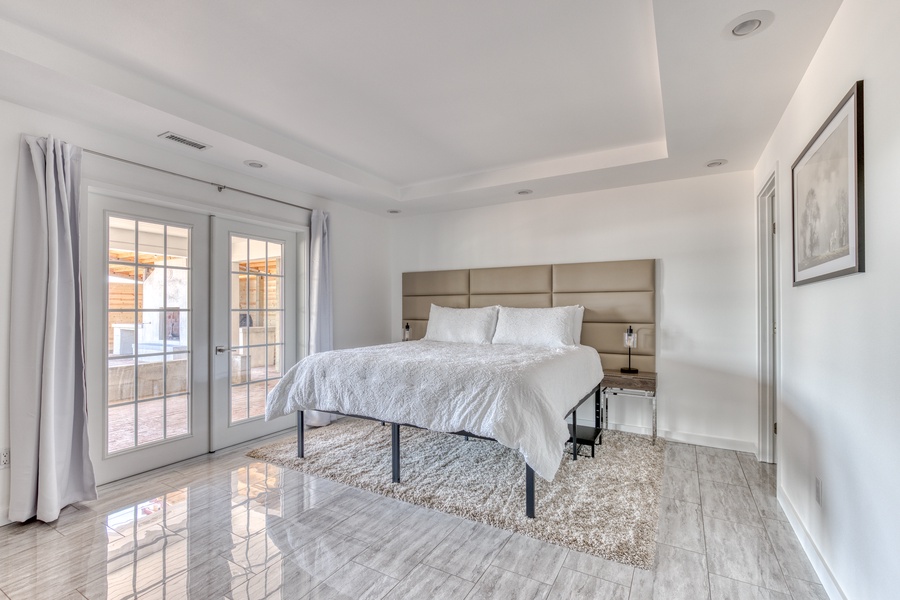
183, 140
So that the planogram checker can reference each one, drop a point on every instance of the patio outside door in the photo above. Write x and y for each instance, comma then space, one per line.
255, 270
146, 291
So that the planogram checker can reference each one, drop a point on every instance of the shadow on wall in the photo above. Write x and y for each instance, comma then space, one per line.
696, 399
799, 464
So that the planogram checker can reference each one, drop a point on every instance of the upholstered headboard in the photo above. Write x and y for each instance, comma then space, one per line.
614, 294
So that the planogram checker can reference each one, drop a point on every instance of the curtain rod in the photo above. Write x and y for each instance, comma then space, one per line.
219, 186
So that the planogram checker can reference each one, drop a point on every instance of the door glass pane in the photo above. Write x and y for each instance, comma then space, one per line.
120, 425
238, 403
257, 402
148, 320
257, 323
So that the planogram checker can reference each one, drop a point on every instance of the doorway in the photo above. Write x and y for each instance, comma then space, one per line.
161, 289
767, 210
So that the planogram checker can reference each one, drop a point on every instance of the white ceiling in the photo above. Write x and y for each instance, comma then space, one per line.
422, 105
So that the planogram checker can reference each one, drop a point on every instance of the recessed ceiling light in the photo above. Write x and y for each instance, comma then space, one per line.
718, 162
748, 24
256, 164
394, 211
746, 27
524, 192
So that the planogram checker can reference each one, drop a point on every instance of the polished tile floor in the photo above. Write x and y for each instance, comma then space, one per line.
223, 526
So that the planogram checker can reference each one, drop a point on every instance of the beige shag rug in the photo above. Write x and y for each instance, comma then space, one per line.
606, 506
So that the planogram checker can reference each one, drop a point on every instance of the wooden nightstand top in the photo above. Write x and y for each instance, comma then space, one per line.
644, 381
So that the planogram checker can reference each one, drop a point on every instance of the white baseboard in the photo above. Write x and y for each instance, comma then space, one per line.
4, 515
832, 588
686, 438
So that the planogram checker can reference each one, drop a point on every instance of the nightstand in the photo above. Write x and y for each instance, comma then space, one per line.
634, 385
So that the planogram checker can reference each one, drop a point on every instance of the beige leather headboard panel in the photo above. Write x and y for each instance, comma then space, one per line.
615, 294
511, 280
436, 283
516, 300
613, 276
612, 307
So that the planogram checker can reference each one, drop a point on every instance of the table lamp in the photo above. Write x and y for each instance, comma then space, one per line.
631, 340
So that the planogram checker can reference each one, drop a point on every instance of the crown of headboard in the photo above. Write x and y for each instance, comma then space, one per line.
614, 294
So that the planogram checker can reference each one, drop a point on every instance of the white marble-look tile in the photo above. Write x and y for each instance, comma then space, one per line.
299, 573
354, 581
757, 473
680, 484
18, 538
76, 559
374, 521
722, 588
806, 590
729, 502
719, 465
680, 525
433, 584
742, 552
292, 532
399, 553
532, 558
767, 502
682, 456
574, 585
599, 567
789, 552
468, 550
352, 500
499, 584
677, 575
255, 553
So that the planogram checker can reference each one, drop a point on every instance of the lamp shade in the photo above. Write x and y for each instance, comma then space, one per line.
630, 338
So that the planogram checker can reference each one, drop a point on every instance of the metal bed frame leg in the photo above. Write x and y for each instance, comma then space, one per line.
395, 451
574, 436
299, 434
529, 492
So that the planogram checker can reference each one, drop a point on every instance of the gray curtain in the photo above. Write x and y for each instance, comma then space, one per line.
49, 463
320, 320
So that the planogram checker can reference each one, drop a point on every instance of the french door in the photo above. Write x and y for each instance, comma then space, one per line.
254, 324
146, 293
189, 321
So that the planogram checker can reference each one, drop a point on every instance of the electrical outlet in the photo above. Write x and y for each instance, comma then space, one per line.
4, 458
818, 491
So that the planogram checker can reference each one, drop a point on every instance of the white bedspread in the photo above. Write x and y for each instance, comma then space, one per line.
518, 395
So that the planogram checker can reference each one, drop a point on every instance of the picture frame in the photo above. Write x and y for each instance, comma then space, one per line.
828, 196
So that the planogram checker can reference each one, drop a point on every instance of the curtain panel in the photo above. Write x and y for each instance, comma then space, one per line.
49, 463
320, 318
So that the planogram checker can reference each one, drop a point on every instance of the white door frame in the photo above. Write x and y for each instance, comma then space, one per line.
95, 289
768, 270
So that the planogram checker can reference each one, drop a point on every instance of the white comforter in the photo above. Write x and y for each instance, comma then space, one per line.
518, 395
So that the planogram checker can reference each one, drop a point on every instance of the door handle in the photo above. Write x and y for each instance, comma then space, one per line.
222, 350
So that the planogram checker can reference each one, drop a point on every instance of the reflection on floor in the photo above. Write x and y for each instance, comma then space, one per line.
225, 526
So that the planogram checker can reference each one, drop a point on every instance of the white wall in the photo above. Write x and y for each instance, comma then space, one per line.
703, 232
841, 338
360, 247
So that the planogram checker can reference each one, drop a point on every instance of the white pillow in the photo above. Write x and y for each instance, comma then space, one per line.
464, 325
551, 327
576, 314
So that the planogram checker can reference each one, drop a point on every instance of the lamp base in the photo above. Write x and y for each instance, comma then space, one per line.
628, 370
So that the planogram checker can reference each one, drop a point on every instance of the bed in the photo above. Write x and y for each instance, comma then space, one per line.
491, 386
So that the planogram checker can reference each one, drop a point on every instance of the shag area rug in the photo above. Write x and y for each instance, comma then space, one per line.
606, 506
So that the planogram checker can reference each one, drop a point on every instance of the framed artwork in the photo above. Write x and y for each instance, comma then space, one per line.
828, 196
